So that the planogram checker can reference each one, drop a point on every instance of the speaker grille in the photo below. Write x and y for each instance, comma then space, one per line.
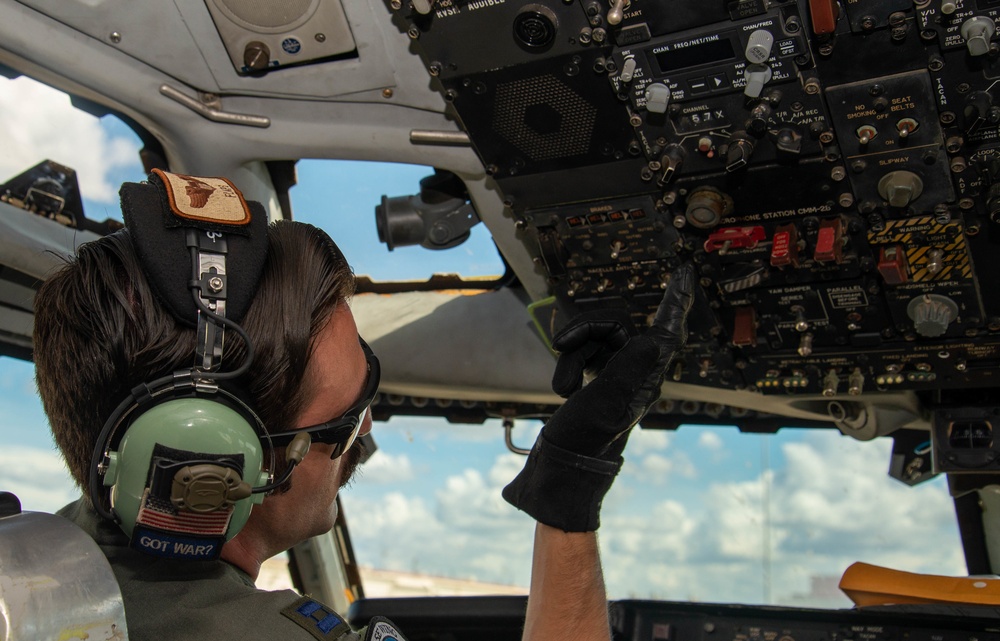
543, 118
268, 14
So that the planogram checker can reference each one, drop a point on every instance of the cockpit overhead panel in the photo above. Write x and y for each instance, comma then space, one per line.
833, 170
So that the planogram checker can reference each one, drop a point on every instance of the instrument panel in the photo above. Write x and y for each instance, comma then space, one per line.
664, 621
832, 169
502, 617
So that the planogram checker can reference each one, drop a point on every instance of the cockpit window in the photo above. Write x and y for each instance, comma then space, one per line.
342, 197
701, 513
698, 514
71, 160
39, 123
30, 466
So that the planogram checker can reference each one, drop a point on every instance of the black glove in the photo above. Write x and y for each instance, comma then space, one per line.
578, 453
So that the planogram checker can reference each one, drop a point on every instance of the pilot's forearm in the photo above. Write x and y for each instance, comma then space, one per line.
567, 599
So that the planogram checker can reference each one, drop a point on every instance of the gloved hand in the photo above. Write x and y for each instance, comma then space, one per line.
578, 453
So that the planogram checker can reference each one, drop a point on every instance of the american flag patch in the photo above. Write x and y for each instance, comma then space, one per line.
161, 514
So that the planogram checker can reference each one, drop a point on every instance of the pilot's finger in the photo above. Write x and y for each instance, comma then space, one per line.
587, 344
604, 326
669, 326
596, 416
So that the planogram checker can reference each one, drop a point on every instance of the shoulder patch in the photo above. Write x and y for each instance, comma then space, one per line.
382, 629
318, 619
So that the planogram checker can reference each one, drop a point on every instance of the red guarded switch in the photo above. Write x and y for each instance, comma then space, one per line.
785, 246
745, 327
722, 240
824, 16
893, 265
830, 241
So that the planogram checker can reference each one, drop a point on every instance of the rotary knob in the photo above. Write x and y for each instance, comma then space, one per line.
900, 188
759, 118
931, 314
738, 154
759, 46
993, 202
256, 56
657, 97
977, 32
670, 163
756, 75
979, 111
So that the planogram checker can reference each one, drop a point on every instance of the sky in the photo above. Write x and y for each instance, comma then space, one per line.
703, 513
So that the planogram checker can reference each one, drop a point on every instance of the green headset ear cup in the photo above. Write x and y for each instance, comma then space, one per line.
193, 424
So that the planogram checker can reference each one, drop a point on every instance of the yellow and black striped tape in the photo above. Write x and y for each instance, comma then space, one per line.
953, 263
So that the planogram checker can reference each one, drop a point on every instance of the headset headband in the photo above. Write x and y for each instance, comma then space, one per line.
161, 211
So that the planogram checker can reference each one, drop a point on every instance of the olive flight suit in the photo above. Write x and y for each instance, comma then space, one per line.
181, 600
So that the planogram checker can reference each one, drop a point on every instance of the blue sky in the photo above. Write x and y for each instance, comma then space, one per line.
704, 513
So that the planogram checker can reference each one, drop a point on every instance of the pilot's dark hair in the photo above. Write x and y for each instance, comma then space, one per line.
99, 332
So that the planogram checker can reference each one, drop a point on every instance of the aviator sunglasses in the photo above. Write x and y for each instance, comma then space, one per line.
341, 432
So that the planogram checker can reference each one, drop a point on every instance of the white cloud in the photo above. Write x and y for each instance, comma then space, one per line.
384, 468
657, 469
642, 441
462, 529
505, 468
710, 441
469, 500
827, 503
733, 522
771, 537
838, 504
38, 477
39, 123
832, 504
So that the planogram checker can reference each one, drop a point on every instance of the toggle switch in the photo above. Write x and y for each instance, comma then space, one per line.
824, 16
893, 265
728, 238
805, 345
866, 133
628, 71
745, 327
830, 241
785, 246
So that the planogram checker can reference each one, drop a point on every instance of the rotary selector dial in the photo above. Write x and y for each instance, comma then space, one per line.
931, 314
759, 46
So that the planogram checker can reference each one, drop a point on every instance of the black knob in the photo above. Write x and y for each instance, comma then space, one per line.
757, 123
256, 56
788, 141
739, 152
977, 112
670, 163
993, 202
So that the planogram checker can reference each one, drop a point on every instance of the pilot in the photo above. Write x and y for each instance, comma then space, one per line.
140, 390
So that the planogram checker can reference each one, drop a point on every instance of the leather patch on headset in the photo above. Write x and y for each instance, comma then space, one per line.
202, 199
317, 619
159, 234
